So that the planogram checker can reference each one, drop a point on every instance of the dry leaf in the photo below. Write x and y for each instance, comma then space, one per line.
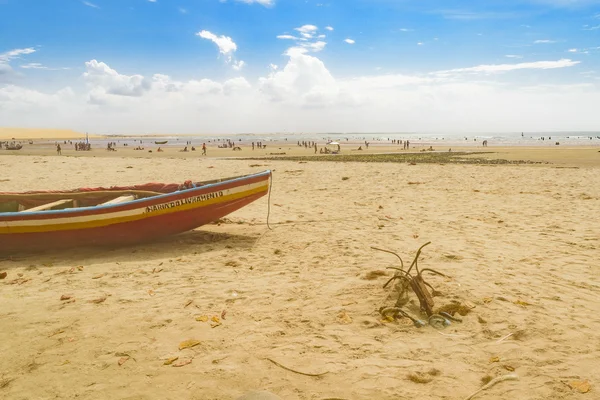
123, 360
98, 300
65, 362
344, 318
181, 363
522, 303
151, 292
215, 319
57, 332
202, 318
80, 267
509, 368
98, 276
487, 300
469, 305
494, 359
170, 360
580, 386
3, 275
223, 313
188, 343
188, 303
65, 297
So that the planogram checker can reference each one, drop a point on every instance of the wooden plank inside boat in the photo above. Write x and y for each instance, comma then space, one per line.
50, 206
121, 199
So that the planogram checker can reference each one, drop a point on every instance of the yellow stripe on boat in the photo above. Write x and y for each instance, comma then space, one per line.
94, 221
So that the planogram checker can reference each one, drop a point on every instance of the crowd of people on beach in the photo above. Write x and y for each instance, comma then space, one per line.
83, 146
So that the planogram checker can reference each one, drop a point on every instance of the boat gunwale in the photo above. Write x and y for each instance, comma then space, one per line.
111, 207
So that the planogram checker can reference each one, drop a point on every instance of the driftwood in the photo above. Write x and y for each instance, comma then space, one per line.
416, 282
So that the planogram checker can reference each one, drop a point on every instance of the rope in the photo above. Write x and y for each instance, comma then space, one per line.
269, 202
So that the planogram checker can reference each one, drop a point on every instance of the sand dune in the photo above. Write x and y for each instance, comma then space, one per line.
521, 244
33, 133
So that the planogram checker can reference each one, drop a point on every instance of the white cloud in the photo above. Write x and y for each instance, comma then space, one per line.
302, 78
419, 43
266, 3
105, 80
234, 85
329, 28
152, 1
305, 96
496, 68
572, 50
314, 47
238, 65
543, 41
225, 44
307, 29
87, 3
405, 30
40, 66
15, 53
34, 66
349, 41
182, 10
6, 71
304, 43
591, 28
513, 56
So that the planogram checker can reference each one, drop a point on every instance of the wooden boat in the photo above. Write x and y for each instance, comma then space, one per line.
161, 142
119, 215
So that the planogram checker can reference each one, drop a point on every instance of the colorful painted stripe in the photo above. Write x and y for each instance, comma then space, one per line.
194, 200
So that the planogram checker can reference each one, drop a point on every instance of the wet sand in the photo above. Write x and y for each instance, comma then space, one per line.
520, 243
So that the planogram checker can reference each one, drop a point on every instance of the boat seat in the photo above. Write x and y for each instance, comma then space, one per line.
49, 206
118, 200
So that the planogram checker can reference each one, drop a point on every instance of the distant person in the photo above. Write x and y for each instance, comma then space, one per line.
58, 149
203, 149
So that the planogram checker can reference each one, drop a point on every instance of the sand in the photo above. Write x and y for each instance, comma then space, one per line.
34, 133
521, 243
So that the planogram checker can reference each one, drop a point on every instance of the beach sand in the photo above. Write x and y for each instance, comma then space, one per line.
521, 244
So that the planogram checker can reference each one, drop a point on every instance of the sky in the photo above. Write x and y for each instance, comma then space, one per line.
263, 66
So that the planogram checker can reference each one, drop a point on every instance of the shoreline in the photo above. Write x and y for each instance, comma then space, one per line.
560, 155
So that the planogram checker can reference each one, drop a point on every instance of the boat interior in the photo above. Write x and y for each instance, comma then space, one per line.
60, 201
91, 197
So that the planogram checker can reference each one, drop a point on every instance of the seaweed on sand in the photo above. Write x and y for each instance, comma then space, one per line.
429, 158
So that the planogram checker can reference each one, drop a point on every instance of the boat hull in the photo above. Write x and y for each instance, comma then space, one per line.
133, 222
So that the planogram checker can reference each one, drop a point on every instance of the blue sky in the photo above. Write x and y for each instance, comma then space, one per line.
299, 65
